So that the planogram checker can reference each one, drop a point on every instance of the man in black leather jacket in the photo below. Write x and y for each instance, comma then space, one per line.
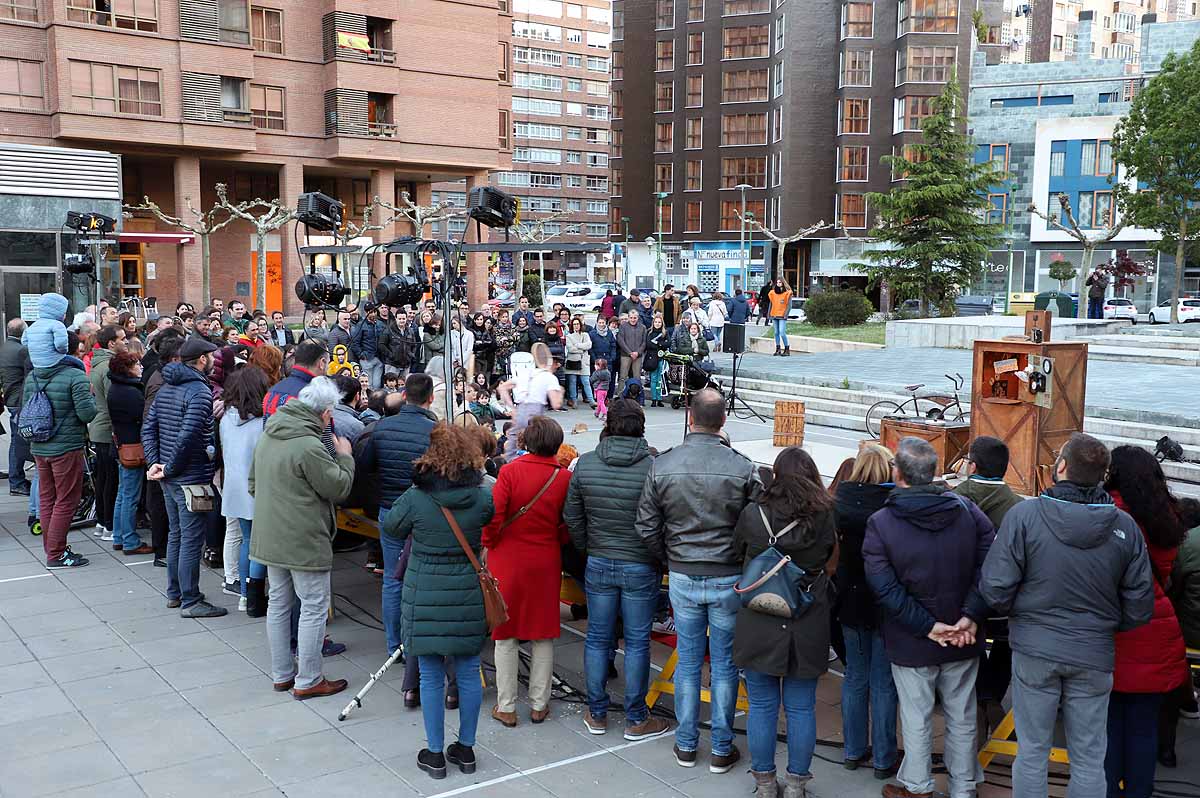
689, 507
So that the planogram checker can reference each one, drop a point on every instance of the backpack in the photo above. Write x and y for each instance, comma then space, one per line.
36, 421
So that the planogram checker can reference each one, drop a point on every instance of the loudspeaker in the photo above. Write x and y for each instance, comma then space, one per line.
733, 339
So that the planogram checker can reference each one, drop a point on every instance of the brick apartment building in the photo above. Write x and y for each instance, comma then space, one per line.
1048, 30
355, 99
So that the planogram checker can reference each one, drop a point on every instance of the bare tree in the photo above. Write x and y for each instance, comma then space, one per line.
202, 225
420, 216
266, 216
533, 231
1090, 244
783, 241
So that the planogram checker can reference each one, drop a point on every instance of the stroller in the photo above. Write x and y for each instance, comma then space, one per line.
685, 376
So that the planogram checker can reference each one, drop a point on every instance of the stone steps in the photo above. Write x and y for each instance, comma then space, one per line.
1145, 342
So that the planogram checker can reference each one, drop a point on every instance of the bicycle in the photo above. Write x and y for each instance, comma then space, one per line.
933, 407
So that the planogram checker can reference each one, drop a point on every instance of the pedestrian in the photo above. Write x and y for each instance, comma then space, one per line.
631, 343
1097, 287
269, 360
668, 306
315, 329
922, 554
718, 315
433, 340
444, 622
280, 335
1151, 662
15, 366
868, 692
763, 305
607, 311
555, 341
578, 363
505, 335
482, 329
1185, 596
779, 302
311, 359
739, 308
346, 422
296, 485
690, 505
365, 342
784, 656
600, 379
240, 428
180, 445
342, 334
110, 340
645, 311
126, 403
167, 347
621, 577
523, 542
532, 391
632, 302
462, 345
987, 461
654, 366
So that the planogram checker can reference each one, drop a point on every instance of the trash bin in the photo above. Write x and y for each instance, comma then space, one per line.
973, 305
1056, 301
1020, 303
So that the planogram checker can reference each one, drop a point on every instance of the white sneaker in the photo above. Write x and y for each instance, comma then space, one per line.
664, 627
106, 535
242, 604
99, 530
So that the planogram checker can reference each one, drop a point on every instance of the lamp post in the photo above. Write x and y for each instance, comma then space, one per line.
625, 222
742, 273
749, 245
659, 196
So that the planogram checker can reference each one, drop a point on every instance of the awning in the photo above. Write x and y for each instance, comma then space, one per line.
156, 238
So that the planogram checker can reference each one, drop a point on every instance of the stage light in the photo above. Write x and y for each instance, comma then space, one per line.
491, 207
79, 263
90, 222
320, 290
319, 211
395, 290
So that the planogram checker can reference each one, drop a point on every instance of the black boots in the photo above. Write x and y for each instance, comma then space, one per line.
256, 598
787, 351
778, 351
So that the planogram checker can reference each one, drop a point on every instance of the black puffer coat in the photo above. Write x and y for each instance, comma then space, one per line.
602, 500
854, 503
396, 442
126, 404
179, 431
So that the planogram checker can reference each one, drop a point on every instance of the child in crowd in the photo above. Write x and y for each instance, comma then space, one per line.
635, 390
391, 382
46, 338
600, 379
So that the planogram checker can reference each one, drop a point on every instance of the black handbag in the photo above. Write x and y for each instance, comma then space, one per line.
772, 584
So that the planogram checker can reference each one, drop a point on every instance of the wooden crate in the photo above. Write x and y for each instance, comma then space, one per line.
949, 439
789, 423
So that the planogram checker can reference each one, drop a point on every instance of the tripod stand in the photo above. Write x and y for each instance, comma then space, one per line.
734, 399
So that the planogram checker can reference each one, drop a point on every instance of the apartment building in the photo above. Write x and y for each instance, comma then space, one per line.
1047, 30
355, 99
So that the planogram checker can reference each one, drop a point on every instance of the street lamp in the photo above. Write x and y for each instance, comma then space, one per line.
652, 243
659, 196
625, 222
750, 217
742, 187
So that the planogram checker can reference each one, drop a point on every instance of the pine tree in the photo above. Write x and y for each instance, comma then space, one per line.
935, 222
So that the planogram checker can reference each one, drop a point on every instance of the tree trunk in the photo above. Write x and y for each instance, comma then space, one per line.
260, 271
1081, 282
1180, 266
518, 277
541, 269
205, 284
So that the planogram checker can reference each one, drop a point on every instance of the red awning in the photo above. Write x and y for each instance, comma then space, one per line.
156, 238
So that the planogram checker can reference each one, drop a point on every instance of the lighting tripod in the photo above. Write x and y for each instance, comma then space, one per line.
734, 399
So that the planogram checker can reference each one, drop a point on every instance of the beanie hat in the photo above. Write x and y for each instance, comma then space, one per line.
52, 306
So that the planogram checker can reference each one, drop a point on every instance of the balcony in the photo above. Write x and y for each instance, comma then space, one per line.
385, 130
236, 116
380, 56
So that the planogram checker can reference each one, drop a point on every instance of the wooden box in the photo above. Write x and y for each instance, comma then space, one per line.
1035, 426
949, 439
789, 423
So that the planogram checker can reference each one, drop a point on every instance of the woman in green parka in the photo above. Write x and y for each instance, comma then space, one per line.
442, 606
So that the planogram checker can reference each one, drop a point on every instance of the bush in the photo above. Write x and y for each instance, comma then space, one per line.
532, 289
838, 309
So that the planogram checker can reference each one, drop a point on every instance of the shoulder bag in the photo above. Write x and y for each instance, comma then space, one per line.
532, 501
771, 583
131, 455
494, 607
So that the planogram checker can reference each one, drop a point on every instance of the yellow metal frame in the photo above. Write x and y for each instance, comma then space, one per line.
664, 684
1002, 744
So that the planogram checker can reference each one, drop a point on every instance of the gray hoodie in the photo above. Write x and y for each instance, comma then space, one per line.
1070, 569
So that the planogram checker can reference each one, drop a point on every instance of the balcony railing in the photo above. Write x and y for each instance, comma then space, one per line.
236, 116
382, 129
380, 56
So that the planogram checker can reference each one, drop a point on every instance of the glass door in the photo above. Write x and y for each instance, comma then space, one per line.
22, 288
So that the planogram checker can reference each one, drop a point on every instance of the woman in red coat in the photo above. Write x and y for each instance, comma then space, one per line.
523, 549
1150, 661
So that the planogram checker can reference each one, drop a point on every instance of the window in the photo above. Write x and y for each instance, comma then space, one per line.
574, 84
574, 157
694, 134
536, 106
739, 129
855, 116
572, 181
852, 163
597, 63
662, 217
116, 89
574, 60
663, 177
1103, 205
596, 206
505, 127
998, 213
777, 81
925, 64
537, 130
502, 70
23, 10
597, 112
695, 53
1110, 97
544, 180
597, 184
998, 154
664, 136
128, 15
856, 68
233, 97
516, 179
693, 179
695, 12
573, 109
617, 181
1104, 159
573, 133
536, 155
537, 80
574, 11
1084, 212
1125, 23
927, 16
234, 17
912, 111
267, 107
691, 217
664, 14
618, 104
266, 30
1058, 164
21, 84
730, 209
1056, 43
1096, 158
857, 20
537, 56
752, 41
748, 171
597, 135
732, 8
618, 142
536, 30
776, 215
744, 85
597, 160
776, 168
852, 211
664, 55
597, 230
779, 28
618, 65
777, 125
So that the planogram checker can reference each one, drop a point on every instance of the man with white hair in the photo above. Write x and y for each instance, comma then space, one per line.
296, 485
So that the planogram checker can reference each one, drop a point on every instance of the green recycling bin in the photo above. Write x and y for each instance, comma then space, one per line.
1056, 301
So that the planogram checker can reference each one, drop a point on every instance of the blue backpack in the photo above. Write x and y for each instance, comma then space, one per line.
36, 421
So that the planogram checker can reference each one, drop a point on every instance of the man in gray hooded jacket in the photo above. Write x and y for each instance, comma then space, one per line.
1071, 570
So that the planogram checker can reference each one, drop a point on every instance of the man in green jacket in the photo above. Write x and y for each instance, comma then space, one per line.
988, 457
296, 484
111, 340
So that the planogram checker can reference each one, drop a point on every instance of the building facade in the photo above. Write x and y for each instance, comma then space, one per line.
1050, 126
355, 99
1047, 30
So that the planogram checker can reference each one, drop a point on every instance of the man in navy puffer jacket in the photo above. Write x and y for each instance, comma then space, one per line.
180, 444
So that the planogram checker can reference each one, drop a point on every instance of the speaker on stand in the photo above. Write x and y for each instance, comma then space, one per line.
733, 341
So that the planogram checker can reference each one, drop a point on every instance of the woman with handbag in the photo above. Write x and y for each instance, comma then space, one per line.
240, 428
652, 364
524, 543
126, 401
578, 366
444, 609
781, 638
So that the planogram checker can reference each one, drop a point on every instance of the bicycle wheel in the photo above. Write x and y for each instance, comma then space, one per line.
877, 412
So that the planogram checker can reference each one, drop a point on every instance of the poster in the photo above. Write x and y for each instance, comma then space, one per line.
29, 306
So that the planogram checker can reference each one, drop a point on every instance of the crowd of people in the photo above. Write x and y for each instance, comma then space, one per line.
241, 455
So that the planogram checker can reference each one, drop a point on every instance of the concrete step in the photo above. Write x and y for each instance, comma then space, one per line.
1146, 342
1163, 331
1146, 355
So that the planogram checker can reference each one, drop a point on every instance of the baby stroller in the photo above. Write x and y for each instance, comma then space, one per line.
685, 376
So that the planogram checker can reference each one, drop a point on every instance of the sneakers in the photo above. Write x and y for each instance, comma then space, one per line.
68, 559
241, 604
685, 759
431, 763
652, 726
232, 589
664, 627
723, 763
104, 534
202, 609
595, 725
331, 649
461, 755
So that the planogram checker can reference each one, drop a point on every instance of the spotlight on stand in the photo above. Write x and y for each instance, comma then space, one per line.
491, 207
79, 262
395, 290
90, 222
320, 290
319, 211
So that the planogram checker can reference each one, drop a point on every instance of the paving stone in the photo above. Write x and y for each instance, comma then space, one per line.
385, 738
74, 667
66, 620
32, 703
166, 742
75, 641
235, 696
357, 782
45, 772
23, 676
137, 713
263, 725
28, 605
182, 647
115, 687
302, 758
141, 630
51, 733
230, 774
124, 787
206, 670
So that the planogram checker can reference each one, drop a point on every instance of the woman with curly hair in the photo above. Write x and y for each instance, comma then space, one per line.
270, 359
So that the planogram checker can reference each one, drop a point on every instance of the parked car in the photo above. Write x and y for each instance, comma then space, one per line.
503, 299
796, 309
1189, 310
558, 291
588, 301
1119, 308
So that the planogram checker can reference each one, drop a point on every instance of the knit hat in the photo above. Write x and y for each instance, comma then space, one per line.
52, 306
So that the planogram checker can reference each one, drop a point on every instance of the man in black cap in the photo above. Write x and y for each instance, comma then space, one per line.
180, 444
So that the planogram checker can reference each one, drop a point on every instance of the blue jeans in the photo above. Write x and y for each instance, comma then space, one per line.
18, 453
34, 503
393, 589
579, 379
629, 591
705, 613
780, 332
374, 368
433, 698
247, 568
657, 382
1095, 307
1132, 752
799, 697
868, 684
185, 540
129, 494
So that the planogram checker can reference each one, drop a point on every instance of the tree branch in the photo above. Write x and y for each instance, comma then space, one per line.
754, 222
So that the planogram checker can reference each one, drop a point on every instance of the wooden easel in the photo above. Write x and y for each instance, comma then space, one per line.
664, 684
1002, 743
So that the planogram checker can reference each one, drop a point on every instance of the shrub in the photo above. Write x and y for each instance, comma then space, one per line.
1063, 271
532, 289
838, 309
